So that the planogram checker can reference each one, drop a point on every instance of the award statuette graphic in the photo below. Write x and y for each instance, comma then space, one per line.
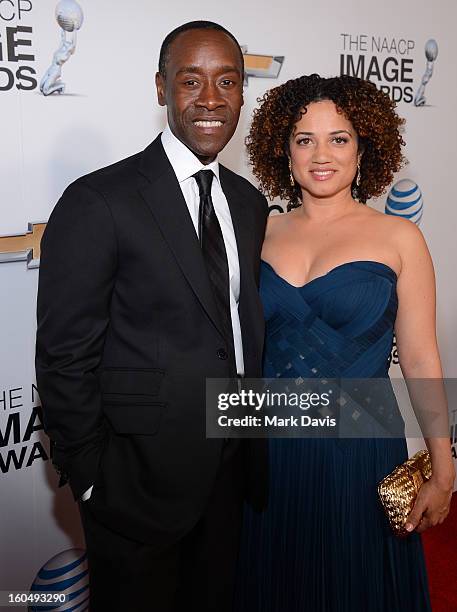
69, 16
431, 53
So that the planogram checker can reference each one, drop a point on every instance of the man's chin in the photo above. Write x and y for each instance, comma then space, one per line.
208, 152
206, 144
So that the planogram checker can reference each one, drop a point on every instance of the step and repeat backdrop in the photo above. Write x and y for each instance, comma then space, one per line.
77, 93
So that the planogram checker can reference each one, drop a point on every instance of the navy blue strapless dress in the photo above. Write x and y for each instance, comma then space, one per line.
324, 544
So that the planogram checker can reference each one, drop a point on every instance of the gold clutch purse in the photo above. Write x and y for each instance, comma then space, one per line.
398, 490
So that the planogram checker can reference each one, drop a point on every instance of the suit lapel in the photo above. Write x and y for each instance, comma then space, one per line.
243, 225
165, 200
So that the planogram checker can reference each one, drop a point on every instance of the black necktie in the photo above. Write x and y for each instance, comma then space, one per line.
214, 253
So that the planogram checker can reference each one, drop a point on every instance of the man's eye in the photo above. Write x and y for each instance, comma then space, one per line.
190, 82
226, 82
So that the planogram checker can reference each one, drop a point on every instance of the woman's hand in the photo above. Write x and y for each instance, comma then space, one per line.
432, 505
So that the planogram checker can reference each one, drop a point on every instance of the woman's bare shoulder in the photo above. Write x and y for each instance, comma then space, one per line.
276, 222
390, 223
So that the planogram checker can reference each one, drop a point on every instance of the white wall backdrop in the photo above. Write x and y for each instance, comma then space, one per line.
109, 111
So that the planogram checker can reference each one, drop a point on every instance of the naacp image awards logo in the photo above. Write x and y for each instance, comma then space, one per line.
390, 63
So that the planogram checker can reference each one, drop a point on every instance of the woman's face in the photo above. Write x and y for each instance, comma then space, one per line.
323, 151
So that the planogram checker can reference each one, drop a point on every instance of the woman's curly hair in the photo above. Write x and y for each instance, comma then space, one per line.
371, 112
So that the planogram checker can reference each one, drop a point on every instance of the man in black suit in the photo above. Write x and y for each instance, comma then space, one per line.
148, 285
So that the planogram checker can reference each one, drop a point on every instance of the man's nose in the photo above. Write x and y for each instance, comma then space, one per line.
210, 97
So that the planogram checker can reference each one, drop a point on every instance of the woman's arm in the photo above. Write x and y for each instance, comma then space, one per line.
415, 330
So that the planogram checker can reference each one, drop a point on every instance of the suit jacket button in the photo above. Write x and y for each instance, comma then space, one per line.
222, 353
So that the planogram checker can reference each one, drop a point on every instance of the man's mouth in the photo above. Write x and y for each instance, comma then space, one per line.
208, 124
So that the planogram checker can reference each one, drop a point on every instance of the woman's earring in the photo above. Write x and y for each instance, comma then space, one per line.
358, 176
292, 180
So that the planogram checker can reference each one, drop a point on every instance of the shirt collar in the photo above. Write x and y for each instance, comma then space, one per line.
184, 162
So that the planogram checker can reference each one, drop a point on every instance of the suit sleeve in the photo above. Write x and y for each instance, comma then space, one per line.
77, 273
265, 211
262, 217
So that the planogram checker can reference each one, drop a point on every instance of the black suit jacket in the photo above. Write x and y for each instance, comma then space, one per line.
128, 330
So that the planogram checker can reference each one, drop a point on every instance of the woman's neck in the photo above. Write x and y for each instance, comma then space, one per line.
326, 209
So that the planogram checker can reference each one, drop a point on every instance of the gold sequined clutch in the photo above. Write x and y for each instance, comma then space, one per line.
398, 490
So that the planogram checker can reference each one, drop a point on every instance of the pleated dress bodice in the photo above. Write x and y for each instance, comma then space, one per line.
340, 324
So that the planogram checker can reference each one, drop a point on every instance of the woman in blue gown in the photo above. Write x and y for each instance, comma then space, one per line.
337, 279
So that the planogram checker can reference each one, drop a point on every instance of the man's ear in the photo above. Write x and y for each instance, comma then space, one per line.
160, 86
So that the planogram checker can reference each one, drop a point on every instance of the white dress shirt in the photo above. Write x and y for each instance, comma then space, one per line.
185, 165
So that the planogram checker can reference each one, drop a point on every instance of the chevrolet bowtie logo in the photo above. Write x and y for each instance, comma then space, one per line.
23, 247
266, 66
